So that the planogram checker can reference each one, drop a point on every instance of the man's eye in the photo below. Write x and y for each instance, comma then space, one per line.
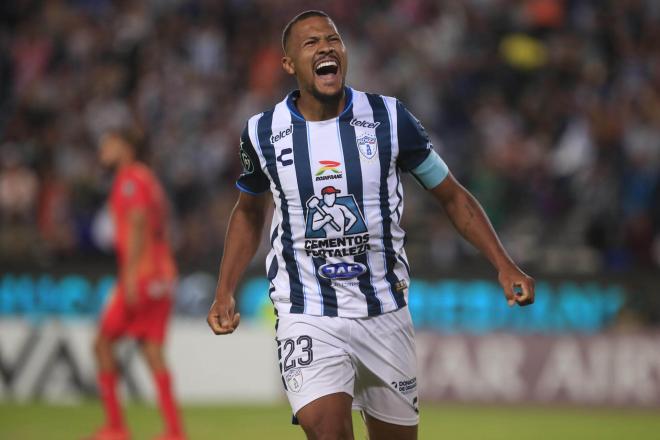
309, 43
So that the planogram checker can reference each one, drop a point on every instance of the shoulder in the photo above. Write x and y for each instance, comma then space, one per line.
143, 173
359, 94
137, 177
252, 124
260, 126
252, 120
367, 103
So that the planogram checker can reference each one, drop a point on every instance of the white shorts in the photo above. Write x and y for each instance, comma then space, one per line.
372, 359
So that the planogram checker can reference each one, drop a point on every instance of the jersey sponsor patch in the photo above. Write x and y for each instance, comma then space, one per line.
405, 386
335, 227
328, 170
365, 124
342, 271
281, 135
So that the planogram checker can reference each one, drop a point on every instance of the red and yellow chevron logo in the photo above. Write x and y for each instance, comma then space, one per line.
328, 165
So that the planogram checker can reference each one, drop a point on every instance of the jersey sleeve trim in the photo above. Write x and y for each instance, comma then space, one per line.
431, 172
245, 190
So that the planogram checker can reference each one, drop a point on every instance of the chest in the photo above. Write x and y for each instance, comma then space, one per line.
351, 157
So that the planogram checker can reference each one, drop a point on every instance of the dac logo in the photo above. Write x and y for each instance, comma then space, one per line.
342, 271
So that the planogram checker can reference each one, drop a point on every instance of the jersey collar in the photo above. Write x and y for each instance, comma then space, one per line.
291, 98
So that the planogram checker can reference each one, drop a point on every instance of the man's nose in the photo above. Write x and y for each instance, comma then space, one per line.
325, 47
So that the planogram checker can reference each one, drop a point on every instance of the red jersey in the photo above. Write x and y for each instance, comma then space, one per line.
136, 187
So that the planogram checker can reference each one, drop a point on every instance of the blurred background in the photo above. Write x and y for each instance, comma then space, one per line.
547, 110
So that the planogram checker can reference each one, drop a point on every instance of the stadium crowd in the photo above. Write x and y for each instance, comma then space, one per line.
548, 110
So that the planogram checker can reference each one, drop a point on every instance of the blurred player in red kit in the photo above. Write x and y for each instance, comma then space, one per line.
141, 302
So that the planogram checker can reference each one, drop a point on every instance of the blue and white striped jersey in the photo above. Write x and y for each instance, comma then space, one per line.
337, 246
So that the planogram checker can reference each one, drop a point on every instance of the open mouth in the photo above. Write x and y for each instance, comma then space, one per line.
327, 67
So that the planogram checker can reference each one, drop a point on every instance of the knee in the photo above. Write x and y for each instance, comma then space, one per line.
101, 346
153, 354
327, 428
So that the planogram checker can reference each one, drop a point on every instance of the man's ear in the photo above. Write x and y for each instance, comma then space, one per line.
287, 65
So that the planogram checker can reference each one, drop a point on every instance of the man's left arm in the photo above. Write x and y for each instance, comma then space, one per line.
134, 197
416, 155
136, 241
471, 222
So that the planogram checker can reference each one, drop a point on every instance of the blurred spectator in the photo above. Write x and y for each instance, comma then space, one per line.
18, 199
549, 110
18, 188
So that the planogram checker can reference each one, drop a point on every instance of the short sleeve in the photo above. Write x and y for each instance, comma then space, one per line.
252, 180
132, 193
414, 143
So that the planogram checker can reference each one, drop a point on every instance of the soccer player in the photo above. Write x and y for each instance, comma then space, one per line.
344, 334
141, 302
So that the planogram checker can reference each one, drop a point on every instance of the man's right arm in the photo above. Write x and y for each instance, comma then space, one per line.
243, 236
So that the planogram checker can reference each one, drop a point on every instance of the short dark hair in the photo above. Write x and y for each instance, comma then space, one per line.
300, 17
135, 138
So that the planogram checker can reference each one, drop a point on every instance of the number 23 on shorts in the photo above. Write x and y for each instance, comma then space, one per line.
302, 346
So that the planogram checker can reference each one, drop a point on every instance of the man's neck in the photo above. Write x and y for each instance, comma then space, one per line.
314, 109
125, 162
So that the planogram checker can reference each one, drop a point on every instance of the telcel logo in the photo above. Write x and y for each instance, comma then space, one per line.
281, 135
365, 124
342, 271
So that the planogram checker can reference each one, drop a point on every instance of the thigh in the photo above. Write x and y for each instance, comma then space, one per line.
328, 417
379, 430
153, 355
150, 322
115, 317
383, 349
151, 316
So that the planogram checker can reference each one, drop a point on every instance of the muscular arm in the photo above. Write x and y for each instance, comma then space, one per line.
471, 221
137, 238
242, 240
243, 235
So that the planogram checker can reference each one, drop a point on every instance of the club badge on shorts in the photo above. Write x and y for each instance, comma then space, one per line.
294, 380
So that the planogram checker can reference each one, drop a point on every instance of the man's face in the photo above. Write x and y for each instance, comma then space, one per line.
329, 199
111, 149
316, 55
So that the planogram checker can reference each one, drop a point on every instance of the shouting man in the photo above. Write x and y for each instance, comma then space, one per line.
344, 333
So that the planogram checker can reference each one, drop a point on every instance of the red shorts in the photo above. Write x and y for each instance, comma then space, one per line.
146, 319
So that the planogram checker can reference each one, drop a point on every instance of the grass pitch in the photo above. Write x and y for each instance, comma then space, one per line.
40, 421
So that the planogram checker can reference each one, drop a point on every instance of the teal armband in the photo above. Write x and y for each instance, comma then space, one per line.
431, 172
